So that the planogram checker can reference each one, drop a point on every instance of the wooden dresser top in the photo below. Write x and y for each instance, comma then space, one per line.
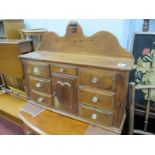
100, 50
81, 60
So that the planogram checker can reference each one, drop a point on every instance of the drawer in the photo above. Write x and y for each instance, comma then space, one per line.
64, 69
42, 99
41, 85
96, 115
97, 79
25, 47
97, 98
38, 69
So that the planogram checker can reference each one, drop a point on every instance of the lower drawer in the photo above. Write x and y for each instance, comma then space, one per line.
42, 99
98, 99
96, 115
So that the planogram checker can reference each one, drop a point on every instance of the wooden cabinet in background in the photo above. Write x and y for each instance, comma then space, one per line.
88, 77
10, 66
33, 34
9, 29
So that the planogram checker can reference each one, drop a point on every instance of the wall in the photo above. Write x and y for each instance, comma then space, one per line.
152, 25
130, 28
123, 29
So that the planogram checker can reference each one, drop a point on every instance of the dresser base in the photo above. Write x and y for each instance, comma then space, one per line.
116, 130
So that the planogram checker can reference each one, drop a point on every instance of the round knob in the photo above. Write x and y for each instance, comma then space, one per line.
94, 99
61, 70
94, 116
94, 80
35, 69
38, 85
40, 99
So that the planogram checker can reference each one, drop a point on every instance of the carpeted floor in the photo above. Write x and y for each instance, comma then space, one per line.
8, 128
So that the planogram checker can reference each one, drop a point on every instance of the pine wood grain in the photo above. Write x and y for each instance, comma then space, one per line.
11, 104
52, 123
10, 107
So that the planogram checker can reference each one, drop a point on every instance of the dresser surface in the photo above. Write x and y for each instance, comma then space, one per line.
66, 77
52, 123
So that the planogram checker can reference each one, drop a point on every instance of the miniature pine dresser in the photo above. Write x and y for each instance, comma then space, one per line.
85, 78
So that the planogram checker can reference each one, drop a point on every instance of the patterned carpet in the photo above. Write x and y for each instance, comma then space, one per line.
8, 128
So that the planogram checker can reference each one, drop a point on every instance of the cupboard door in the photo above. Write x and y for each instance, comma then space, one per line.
65, 93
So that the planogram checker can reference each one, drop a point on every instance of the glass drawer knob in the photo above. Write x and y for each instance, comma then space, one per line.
38, 85
94, 116
40, 99
61, 70
94, 80
94, 99
35, 69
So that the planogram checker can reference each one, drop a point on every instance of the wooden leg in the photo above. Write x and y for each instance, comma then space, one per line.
3, 80
147, 111
131, 107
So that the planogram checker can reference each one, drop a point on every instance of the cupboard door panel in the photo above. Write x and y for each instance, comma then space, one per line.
65, 93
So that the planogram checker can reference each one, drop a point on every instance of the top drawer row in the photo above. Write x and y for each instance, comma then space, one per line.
43, 69
38, 69
101, 79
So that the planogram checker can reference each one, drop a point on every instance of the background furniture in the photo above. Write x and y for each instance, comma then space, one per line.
11, 66
143, 73
34, 34
9, 52
9, 28
145, 111
85, 78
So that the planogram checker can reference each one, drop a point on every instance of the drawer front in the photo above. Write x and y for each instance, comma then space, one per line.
25, 47
97, 99
42, 85
64, 69
41, 99
95, 115
100, 80
38, 69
